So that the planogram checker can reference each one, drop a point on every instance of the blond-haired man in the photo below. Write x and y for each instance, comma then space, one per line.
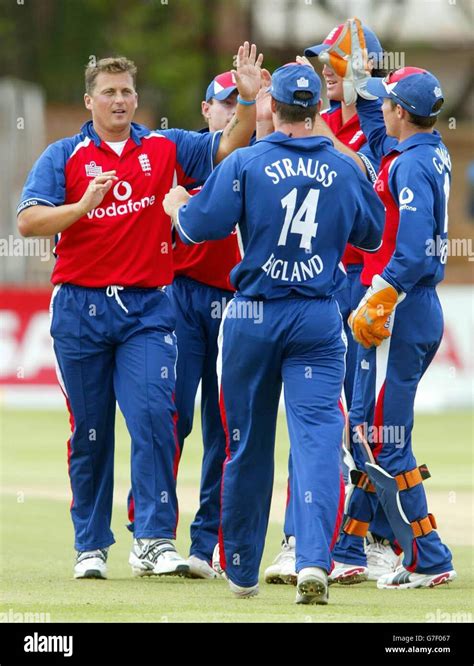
100, 192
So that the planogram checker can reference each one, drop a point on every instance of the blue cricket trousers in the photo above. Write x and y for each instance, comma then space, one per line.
119, 346
198, 308
384, 394
348, 299
299, 342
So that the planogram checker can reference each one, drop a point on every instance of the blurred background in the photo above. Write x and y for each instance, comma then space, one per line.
179, 46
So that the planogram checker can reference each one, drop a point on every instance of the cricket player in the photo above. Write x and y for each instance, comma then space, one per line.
345, 131
297, 202
399, 324
112, 323
199, 294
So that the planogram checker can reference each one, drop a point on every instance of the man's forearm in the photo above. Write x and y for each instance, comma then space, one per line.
238, 131
48, 220
264, 128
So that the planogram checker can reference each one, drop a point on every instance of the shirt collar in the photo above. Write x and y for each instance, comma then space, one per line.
420, 138
278, 137
137, 132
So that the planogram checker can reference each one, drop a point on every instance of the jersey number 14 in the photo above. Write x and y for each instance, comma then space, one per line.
303, 222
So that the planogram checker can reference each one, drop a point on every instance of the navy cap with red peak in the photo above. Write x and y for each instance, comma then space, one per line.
221, 86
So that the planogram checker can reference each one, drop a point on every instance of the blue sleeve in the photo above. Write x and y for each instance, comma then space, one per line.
213, 212
411, 186
46, 182
372, 164
367, 230
195, 152
373, 126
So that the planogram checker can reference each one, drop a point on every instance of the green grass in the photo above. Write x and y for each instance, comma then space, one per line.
37, 555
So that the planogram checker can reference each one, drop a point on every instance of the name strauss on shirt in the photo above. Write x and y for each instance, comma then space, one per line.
301, 221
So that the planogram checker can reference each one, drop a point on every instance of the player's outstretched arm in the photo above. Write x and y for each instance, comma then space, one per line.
372, 124
369, 215
37, 220
212, 213
418, 229
264, 107
240, 128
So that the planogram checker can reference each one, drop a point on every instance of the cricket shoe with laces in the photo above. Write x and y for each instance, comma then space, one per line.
312, 586
283, 568
216, 562
199, 568
156, 557
348, 574
243, 592
402, 579
381, 558
91, 563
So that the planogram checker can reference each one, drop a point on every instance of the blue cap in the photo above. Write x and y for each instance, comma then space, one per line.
221, 86
374, 47
415, 89
293, 78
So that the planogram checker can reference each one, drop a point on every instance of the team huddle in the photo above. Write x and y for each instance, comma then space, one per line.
295, 259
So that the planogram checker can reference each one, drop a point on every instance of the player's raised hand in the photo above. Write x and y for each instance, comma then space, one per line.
303, 60
175, 198
264, 109
248, 72
96, 191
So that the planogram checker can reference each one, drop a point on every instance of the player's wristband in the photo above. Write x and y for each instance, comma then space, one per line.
245, 102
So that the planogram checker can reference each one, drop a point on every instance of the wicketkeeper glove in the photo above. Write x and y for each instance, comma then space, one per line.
347, 57
369, 322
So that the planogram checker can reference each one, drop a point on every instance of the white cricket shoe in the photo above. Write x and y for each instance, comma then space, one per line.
200, 568
243, 592
156, 557
216, 562
91, 563
381, 558
283, 568
401, 579
312, 586
348, 574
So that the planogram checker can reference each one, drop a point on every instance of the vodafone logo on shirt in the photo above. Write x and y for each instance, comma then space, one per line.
123, 193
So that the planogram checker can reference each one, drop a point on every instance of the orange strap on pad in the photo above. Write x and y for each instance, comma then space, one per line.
412, 478
361, 480
355, 527
423, 526
405, 480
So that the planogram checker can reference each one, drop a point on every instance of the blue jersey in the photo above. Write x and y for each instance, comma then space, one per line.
296, 202
420, 180
414, 184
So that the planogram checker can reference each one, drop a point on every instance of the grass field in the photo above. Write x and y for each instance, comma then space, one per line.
37, 553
